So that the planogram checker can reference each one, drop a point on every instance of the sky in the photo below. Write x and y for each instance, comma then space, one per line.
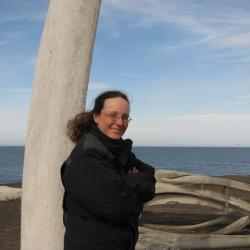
184, 64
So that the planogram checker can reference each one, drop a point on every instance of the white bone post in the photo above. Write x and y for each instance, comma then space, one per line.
59, 92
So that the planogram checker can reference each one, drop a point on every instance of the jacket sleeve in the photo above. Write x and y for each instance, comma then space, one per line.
95, 183
143, 182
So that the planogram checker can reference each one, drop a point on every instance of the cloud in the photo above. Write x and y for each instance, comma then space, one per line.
200, 24
18, 91
191, 130
24, 10
236, 101
13, 123
8, 37
231, 103
116, 34
197, 17
244, 97
238, 40
39, 16
132, 75
99, 86
212, 118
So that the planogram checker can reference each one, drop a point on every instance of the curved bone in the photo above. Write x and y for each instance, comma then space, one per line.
206, 180
212, 195
187, 227
169, 189
201, 179
169, 174
233, 227
185, 199
155, 239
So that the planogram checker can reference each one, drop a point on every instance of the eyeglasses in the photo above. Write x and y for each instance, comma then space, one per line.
114, 117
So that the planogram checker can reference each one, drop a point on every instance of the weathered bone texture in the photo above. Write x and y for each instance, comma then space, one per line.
204, 193
183, 178
154, 239
185, 183
181, 198
9, 193
59, 93
187, 227
214, 192
234, 227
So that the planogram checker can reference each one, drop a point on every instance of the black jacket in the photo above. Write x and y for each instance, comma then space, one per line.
102, 200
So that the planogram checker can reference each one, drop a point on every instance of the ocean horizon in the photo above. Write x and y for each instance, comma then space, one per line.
214, 161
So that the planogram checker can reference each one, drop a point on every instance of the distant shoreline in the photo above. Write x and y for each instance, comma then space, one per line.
15, 184
242, 178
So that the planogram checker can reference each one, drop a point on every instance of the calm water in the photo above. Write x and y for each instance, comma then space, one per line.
11, 164
210, 161
202, 160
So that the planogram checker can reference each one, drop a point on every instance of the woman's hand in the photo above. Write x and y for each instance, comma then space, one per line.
133, 170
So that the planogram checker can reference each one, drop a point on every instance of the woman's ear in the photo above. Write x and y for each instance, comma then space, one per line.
96, 118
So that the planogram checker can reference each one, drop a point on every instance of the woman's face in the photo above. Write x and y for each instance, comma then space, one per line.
113, 118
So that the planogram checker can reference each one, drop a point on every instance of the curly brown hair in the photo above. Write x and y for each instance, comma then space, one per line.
83, 121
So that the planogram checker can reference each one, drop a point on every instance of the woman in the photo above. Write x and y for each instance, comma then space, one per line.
105, 184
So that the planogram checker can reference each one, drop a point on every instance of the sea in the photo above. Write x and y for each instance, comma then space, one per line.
213, 161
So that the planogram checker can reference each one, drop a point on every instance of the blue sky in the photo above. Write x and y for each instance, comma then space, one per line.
184, 64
